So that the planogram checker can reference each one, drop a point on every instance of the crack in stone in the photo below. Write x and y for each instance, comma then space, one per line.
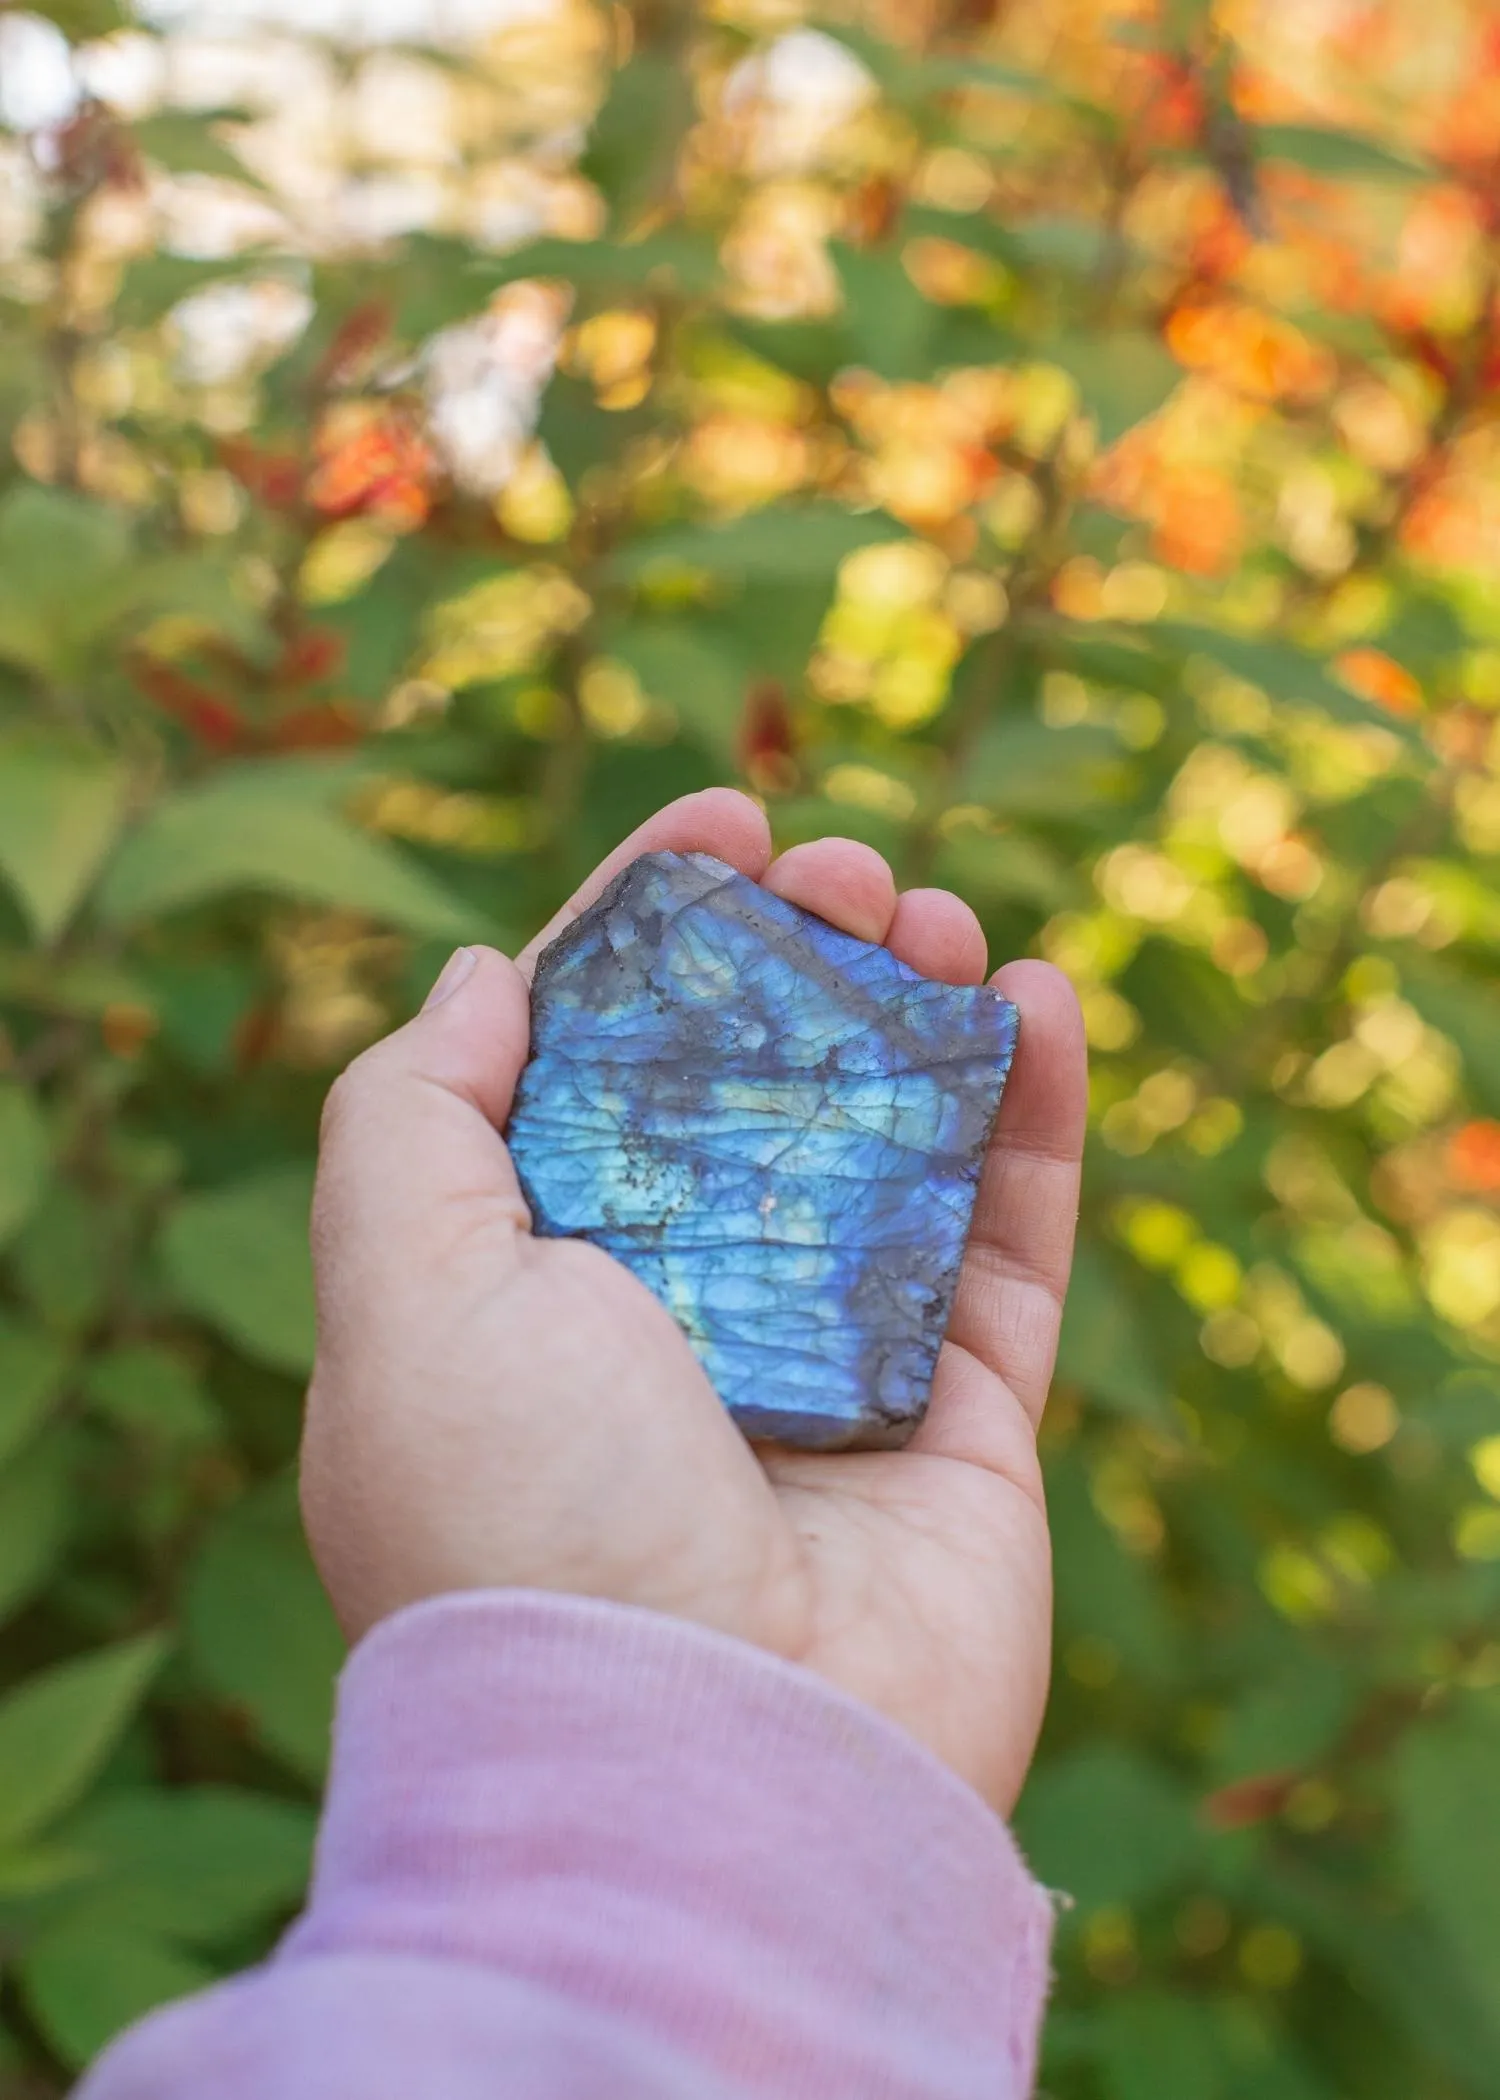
708, 1059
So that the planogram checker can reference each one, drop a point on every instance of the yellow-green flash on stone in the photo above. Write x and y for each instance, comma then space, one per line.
777, 1127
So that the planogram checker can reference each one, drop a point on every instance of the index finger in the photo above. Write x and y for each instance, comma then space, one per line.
720, 821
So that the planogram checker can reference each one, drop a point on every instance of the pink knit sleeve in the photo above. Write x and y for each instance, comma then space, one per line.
572, 1849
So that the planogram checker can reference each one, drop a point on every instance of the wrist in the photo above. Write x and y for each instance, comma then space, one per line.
565, 1788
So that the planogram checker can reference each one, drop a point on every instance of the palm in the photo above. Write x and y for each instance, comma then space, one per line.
565, 1436
928, 1594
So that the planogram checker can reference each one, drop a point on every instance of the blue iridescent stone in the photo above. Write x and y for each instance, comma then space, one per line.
777, 1127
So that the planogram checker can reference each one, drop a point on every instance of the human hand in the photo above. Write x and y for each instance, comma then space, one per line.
492, 1410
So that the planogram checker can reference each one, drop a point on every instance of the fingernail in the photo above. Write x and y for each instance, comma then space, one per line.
455, 971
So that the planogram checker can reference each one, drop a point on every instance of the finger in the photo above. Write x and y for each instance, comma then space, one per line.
974, 1416
720, 821
411, 1142
1010, 1293
844, 882
938, 936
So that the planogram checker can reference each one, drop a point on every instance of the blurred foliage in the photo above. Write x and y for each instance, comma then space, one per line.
1058, 444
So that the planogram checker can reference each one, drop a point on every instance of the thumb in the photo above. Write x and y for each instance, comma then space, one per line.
471, 1036
410, 1146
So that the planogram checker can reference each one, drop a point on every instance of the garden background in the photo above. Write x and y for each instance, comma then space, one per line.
1055, 440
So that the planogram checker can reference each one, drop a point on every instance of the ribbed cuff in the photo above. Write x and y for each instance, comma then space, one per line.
662, 1822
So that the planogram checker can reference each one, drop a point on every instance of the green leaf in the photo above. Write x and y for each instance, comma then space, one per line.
1424, 632
200, 1005
1103, 1591
674, 258
154, 283
945, 73
195, 1865
810, 350
72, 581
889, 324
1464, 1410
984, 864
694, 672
1121, 378
1467, 1012
199, 591
32, 1367
1122, 658
61, 807
1287, 1724
1447, 1793
81, 986
579, 435
1279, 668
634, 140
150, 1393
25, 1157
81, 20
1152, 2046
185, 142
61, 1260
1104, 1348
86, 1983
1032, 248
1107, 1827
436, 280
1022, 768
1377, 1291
1399, 1964
59, 556
59, 1727
1184, 998
970, 229
237, 1256
25, 382
908, 76
36, 1508
772, 624
1279, 2076
245, 831
30, 1871
1342, 155
260, 1631
778, 544
1059, 242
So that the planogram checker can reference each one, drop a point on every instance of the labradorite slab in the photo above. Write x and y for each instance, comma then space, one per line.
777, 1127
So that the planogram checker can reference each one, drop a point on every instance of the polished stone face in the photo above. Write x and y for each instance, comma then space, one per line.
777, 1127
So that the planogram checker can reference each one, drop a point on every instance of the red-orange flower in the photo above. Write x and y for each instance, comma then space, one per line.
1474, 1156
206, 715
314, 654
1379, 679
327, 728
1249, 350
767, 738
1199, 525
372, 463
1245, 1802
